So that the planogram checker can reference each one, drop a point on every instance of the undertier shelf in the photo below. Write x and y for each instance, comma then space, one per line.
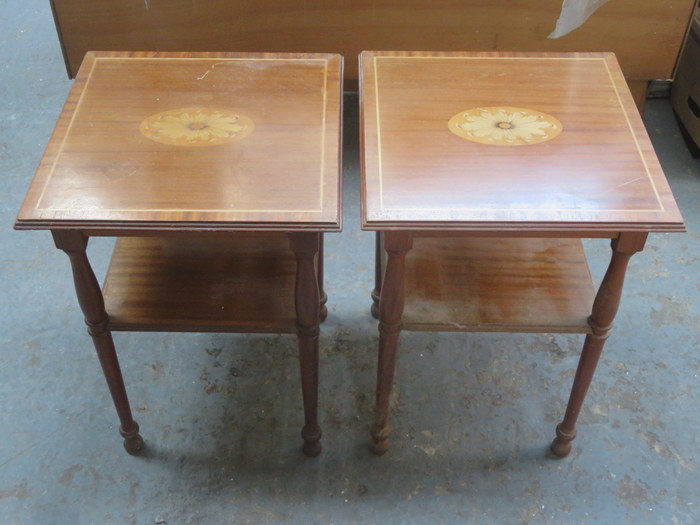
497, 285
210, 284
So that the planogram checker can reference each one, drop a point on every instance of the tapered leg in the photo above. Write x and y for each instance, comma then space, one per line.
391, 304
91, 303
605, 307
378, 273
307, 302
319, 268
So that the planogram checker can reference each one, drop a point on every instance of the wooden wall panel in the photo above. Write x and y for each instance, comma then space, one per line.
646, 35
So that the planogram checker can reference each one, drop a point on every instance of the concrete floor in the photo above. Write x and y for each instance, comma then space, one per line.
221, 414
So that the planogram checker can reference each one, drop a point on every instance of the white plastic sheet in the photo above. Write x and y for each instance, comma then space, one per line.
573, 14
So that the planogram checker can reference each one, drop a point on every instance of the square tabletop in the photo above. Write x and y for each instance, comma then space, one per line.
194, 141
507, 141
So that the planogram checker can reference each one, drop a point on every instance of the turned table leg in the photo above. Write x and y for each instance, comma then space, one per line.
378, 270
307, 303
321, 291
391, 304
605, 307
91, 303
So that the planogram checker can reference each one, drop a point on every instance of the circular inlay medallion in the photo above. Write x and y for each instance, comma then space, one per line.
196, 126
505, 126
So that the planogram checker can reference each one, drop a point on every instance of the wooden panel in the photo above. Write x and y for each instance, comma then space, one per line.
645, 34
497, 285
239, 284
183, 140
595, 171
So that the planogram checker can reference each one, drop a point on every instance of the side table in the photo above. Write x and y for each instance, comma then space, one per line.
481, 172
219, 174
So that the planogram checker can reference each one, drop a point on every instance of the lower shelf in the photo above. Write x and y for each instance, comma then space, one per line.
497, 285
216, 284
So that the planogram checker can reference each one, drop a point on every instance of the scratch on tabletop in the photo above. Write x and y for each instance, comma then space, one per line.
210, 70
630, 182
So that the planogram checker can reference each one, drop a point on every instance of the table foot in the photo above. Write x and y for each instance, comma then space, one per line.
379, 448
312, 441
133, 442
380, 440
561, 445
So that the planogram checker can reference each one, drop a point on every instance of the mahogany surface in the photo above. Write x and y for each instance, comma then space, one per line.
600, 174
519, 285
479, 173
283, 175
237, 284
219, 172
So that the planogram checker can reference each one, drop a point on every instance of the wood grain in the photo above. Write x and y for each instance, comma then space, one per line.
218, 172
470, 228
645, 34
605, 307
196, 284
74, 243
497, 285
599, 174
307, 300
101, 171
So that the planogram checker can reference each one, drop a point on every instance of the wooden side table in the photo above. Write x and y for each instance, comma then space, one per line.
219, 174
480, 173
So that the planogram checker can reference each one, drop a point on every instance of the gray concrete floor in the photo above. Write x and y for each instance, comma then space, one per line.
221, 413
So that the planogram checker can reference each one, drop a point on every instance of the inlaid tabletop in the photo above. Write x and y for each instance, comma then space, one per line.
194, 141
498, 141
